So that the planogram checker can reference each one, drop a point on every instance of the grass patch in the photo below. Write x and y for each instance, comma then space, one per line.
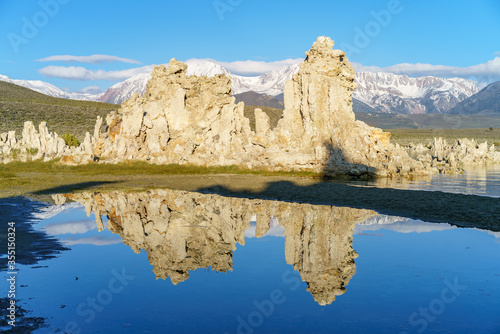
139, 168
39, 178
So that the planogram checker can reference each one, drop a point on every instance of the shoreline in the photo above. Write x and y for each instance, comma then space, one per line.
428, 205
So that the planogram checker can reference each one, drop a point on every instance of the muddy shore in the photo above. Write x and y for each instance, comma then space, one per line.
432, 206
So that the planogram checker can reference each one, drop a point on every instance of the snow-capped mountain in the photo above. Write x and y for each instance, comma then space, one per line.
123, 90
387, 92
137, 84
51, 90
384, 92
270, 83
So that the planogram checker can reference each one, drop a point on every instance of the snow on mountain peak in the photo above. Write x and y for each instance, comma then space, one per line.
386, 92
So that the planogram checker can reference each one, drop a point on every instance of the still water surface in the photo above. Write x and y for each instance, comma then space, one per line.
169, 261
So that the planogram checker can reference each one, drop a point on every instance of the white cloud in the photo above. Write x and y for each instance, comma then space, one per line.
91, 90
71, 227
482, 73
250, 67
94, 59
485, 72
83, 74
98, 240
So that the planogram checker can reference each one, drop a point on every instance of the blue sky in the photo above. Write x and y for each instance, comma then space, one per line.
459, 38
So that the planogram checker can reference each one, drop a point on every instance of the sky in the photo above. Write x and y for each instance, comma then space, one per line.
80, 44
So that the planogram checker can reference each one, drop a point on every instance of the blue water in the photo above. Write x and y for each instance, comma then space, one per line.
410, 277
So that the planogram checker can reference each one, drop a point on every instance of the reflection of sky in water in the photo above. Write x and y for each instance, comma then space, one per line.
403, 266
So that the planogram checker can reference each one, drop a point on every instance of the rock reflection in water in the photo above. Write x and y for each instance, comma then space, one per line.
183, 231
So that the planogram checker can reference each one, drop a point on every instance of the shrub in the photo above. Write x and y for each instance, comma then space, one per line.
70, 139
15, 152
32, 150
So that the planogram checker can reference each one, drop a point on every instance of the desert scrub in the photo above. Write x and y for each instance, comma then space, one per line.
19, 104
70, 139
15, 152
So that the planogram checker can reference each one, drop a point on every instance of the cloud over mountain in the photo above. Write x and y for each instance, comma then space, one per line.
484, 73
93, 59
84, 74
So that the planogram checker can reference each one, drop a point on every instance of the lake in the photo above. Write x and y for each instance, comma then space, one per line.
173, 261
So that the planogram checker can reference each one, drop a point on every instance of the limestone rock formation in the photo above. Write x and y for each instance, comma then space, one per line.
180, 119
193, 120
184, 119
33, 145
183, 231
318, 130
451, 158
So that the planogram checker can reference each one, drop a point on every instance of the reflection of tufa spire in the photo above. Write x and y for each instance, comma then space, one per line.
183, 231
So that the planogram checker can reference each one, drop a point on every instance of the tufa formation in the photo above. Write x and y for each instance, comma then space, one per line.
183, 119
194, 120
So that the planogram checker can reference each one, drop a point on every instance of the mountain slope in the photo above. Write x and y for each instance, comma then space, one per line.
124, 90
49, 89
255, 99
376, 92
391, 93
486, 101
19, 104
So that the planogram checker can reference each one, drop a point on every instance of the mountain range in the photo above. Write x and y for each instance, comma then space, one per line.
376, 92
487, 101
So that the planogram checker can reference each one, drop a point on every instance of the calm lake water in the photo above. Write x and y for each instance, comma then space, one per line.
169, 261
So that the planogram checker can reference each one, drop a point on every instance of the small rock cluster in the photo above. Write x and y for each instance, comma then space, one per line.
41, 144
451, 158
33, 145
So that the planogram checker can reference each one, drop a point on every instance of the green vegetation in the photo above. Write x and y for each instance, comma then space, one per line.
424, 136
19, 104
70, 139
32, 150
15, 152
134, 168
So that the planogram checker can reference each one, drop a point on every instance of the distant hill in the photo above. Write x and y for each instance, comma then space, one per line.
255, 99
273, 113
486, 101
19, 104
429, 121
361, 107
